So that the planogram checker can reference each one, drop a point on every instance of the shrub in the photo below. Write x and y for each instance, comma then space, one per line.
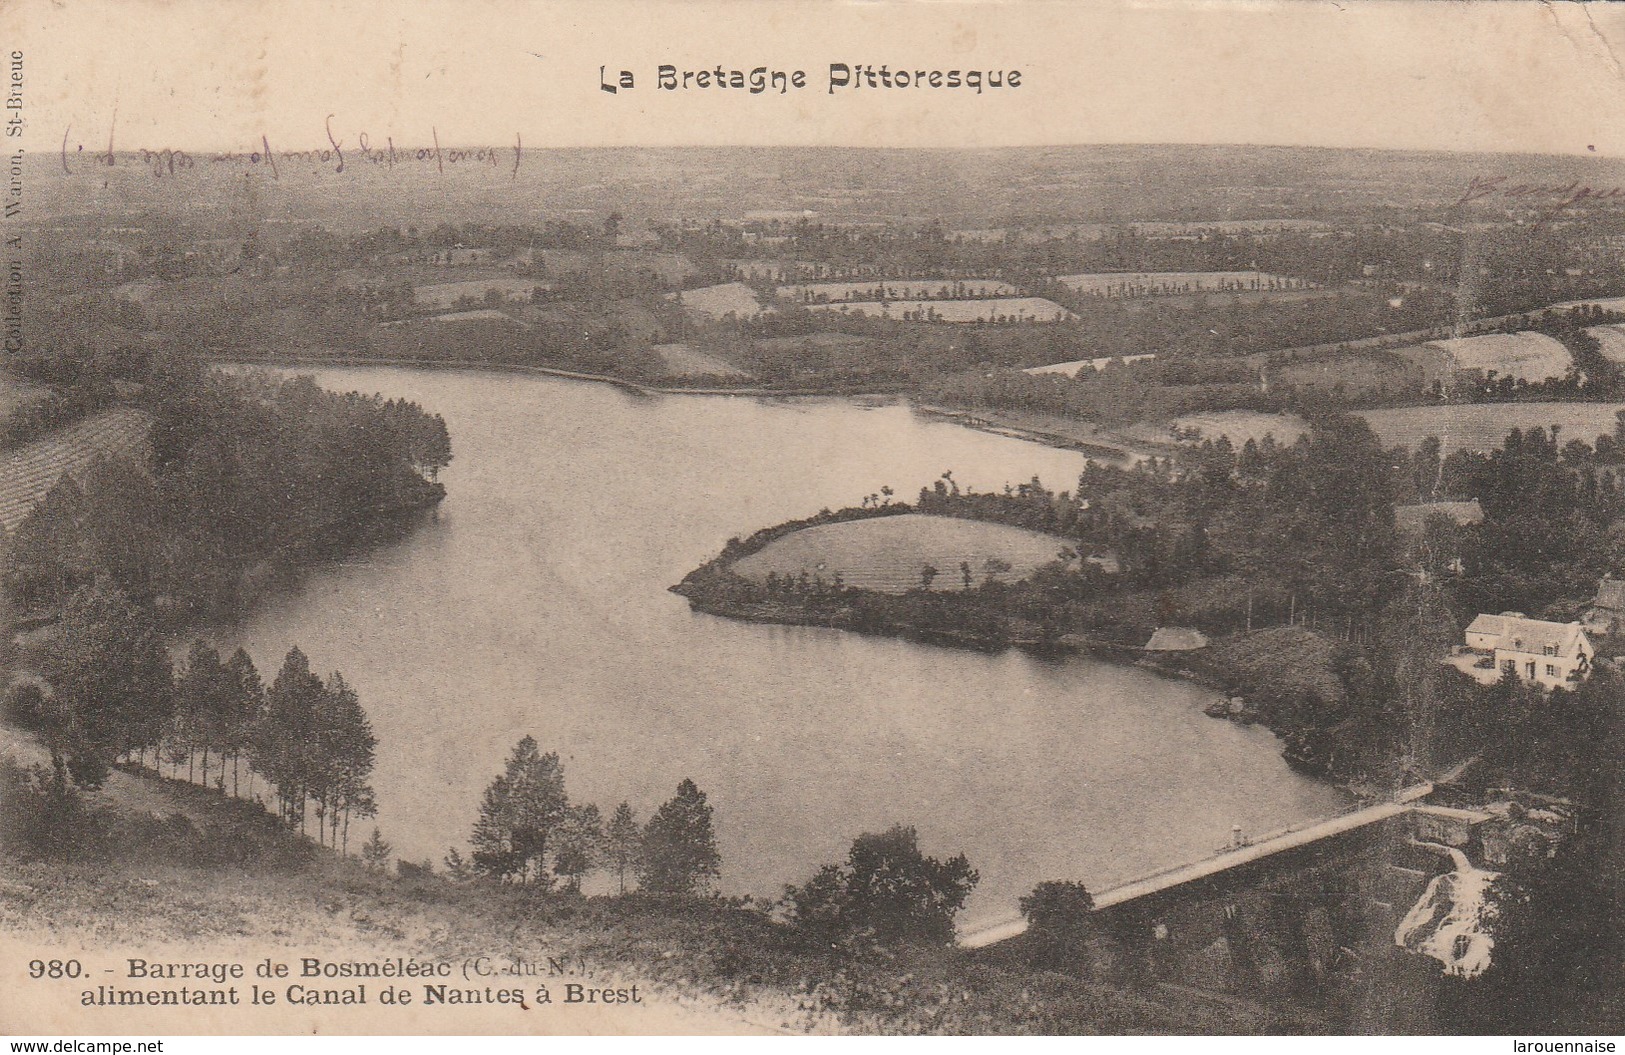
1058, 924
887, 892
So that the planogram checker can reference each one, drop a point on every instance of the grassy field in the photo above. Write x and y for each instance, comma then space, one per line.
1014, 309
1354, 374
29, 472
478, 315
684, 360
1071, 369
714, 302
888, 554
1612, 342
1529, 356
1482, 426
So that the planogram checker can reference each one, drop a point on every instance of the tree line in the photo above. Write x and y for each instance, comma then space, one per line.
529, 833
1309, 526
110, 692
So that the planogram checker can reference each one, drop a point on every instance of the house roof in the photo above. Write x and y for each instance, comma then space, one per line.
1410, 519
1531, 636
1610, 594
1176, 639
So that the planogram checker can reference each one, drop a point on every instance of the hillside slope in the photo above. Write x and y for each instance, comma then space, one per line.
168, 871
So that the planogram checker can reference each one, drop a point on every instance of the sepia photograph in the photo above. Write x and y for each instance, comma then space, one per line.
912, 518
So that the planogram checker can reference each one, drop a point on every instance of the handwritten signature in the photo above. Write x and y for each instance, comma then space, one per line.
335, 157
1558, 197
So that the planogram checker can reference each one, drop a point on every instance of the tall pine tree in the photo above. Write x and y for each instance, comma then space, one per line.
521, 812
679, 852
283, 752
622, 840
112, 687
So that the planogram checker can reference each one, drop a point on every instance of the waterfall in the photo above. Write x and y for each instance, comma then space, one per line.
1447, 921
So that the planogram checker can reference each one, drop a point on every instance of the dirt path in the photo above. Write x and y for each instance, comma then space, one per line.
124, 791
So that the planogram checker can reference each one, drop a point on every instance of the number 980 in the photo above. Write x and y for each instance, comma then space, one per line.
54, 969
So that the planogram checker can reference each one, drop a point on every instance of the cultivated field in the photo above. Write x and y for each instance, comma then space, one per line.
897, 289
1611, 342
480, 315
1154, 230
28, 473
1173, 283
1482, 426
715, 302
447, 294
1001, 309
684, 360
888, 554
1073, 368
752, 269
1220, 298
1354, 374
1606, 303
1527, 356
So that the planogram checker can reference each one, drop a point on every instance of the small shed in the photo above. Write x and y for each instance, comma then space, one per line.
1176, 639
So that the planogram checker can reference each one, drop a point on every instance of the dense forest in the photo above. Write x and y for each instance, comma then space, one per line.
246, 474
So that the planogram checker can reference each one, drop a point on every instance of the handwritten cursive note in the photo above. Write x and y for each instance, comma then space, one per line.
339, 156
1554, 197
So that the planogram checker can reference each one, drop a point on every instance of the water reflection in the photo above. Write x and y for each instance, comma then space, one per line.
536, 602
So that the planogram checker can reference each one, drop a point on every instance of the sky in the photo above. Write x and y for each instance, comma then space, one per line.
199, 75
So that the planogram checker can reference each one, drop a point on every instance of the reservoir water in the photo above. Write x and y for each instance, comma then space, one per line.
536, 602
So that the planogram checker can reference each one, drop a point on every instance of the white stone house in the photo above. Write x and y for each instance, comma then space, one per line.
1551, 655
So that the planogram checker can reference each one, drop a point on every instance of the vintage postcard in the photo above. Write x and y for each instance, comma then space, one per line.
906, 517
